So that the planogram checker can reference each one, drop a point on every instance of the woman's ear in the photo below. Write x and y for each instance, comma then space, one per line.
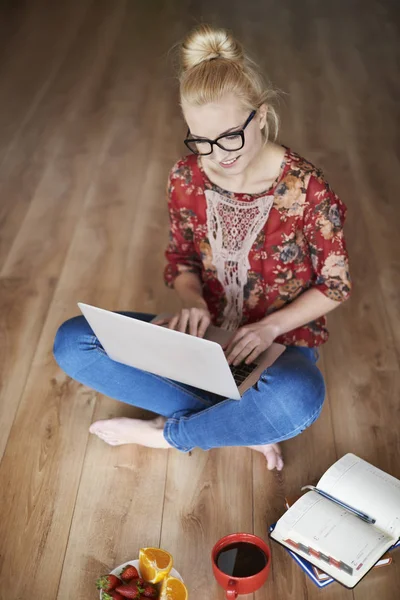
262, 115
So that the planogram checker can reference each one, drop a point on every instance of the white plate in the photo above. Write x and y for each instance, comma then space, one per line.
135, 563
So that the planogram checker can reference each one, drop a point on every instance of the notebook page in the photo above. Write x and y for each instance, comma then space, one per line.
314, 525
366, 488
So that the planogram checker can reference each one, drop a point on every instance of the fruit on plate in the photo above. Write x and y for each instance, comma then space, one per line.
130, 590
173, 589
129, 572
107, 582
149, 591
112, 595
155, 564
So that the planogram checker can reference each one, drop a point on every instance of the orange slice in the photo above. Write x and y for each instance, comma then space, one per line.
154, 564
173, 589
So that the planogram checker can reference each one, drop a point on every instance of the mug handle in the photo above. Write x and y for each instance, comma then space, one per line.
231, 592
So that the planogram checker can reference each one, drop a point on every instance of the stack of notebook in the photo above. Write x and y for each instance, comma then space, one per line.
320, 578
344, 526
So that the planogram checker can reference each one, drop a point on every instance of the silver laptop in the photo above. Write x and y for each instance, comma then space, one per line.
199, 362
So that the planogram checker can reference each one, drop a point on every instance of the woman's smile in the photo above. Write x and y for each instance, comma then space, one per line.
227, 163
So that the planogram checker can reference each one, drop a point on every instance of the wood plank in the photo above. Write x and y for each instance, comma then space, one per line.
34, 57
208, 496
375, 183
20, 328
43, 139
13, 16
38, 259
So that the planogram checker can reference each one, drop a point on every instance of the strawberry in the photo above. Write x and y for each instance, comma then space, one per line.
112, 595
129, 572
130, 590
107, 583
149, 591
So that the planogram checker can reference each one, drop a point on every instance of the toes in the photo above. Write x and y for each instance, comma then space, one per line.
274, 458
105, 432
97, 427
276, 448
271, 460
110, 440
278, 457
101, 434
103, 429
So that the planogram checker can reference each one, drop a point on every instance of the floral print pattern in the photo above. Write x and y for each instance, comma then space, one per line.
300, 246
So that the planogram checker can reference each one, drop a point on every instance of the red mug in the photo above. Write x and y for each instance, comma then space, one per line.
240, 585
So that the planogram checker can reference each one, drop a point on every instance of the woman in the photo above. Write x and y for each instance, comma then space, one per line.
256, 247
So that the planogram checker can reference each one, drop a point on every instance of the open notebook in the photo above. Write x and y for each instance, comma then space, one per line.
331, 537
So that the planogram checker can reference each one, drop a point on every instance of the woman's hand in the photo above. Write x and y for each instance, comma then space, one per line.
194, 320
250, 341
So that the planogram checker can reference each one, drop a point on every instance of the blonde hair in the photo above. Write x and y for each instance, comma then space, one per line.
213, 63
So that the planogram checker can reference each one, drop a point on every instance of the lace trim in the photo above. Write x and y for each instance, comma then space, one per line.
233, 227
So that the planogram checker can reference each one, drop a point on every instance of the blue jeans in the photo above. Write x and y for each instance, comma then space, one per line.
286, 400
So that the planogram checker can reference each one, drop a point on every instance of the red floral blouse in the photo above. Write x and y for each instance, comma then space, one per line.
255, 253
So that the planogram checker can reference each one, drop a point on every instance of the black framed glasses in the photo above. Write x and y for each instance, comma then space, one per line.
229, 141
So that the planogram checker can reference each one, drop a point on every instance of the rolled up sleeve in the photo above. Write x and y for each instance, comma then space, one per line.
181, 254
324, 218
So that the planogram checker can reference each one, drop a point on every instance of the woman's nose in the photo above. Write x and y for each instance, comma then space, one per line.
220, 155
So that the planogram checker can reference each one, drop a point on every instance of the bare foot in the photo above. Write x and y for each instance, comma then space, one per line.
272, 453
131, 431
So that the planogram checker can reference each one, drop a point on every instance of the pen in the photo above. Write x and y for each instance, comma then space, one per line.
358, 513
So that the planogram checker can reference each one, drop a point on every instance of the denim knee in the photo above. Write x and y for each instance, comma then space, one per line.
307, 390
292, 392
73, 338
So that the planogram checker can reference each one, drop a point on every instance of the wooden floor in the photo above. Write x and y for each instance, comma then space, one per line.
89, 127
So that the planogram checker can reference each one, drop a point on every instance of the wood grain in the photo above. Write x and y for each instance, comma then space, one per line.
21, 325
215, 499
89, 127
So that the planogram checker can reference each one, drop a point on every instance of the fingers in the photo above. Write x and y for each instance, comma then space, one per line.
183, 320
252, 357
236, 338
173, 322
204, 323
192, 320
235, 352
198, 322
248, 347
246, 350
161, 321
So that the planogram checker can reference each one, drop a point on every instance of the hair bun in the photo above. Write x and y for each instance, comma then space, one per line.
206, 43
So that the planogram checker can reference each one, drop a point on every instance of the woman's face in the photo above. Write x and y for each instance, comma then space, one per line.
226, 116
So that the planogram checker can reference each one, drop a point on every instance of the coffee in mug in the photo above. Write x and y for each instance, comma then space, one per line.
241, 563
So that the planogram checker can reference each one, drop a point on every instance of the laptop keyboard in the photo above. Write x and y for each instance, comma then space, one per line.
242, 371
